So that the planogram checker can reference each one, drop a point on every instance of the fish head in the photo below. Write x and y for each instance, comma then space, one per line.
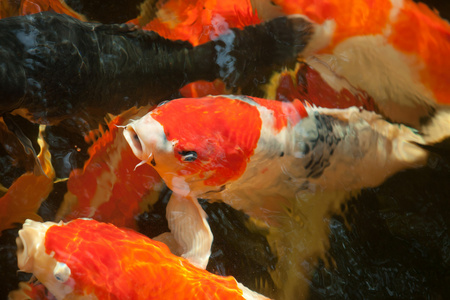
197, 145
32, 257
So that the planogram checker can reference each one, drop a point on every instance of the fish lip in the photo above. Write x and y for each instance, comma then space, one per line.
24, 260
136, 145
30, 243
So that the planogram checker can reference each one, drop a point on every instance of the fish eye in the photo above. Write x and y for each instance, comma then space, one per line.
61, 272
188, 155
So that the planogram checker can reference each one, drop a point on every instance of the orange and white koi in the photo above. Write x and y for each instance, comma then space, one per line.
107, 189
393, 50
266, 158
86, 259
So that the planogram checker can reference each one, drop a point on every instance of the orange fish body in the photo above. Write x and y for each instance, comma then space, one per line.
199, 21
86, 258
108, 189
274, 160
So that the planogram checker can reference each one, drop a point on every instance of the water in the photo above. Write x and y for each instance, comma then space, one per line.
388, 242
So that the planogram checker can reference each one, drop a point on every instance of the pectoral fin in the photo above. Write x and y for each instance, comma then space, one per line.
187, 222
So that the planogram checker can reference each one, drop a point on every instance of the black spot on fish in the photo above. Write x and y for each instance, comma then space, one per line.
281, 154
153, 162
320, 146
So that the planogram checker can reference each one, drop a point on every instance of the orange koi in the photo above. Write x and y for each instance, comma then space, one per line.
107, 188
268, 158
86, 258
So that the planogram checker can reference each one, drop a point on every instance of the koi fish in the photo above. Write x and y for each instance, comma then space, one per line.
85, 258
101, 69
267, 158
107, 189
391, 52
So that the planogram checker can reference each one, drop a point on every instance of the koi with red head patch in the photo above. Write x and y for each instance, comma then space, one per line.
88, 259
266, 158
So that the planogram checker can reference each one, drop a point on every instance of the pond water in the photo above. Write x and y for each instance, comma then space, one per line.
390, 240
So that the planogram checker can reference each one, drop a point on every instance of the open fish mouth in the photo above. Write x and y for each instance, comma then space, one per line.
134, 141
24, 243
22, 250
30, 242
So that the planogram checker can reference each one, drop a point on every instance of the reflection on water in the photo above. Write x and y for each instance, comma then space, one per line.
389, 240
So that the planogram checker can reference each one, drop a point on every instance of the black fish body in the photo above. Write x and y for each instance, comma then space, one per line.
53, 66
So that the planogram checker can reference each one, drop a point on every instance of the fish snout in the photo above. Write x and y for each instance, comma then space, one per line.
30, 243
146, 137
134, 141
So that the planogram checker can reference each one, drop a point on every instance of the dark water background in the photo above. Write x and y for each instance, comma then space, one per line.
397, 246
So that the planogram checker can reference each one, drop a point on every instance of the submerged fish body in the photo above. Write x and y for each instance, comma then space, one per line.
86, 259
68, 68
269, 159
107, 189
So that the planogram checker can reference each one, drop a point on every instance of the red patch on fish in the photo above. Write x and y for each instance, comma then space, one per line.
284, 112
115, 263
210, 119
309, 86
312, 88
